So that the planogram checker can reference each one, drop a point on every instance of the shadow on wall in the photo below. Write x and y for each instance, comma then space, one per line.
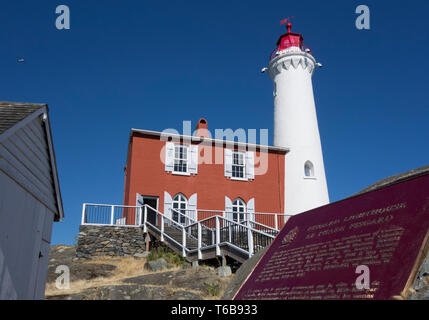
7, 288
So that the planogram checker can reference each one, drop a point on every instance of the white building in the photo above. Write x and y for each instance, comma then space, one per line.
295, 124
30, 199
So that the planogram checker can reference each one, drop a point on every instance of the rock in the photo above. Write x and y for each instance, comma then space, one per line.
131, 292
157, 265
188, 284
141, 255
82, 271
184, 295
186, 266
128, 292
160, 279
242, 274
224, 271
420, 287
183, 279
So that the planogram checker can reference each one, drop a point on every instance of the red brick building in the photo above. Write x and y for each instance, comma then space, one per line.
200, 176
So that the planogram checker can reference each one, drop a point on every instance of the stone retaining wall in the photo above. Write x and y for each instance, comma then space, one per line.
109, 241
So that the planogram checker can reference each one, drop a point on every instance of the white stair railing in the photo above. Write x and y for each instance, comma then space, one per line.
213, 232
163, 235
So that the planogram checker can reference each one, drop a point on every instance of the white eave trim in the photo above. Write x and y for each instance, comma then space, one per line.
199, 139
53, 163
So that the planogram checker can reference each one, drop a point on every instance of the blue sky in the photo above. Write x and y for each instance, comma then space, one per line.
153, 64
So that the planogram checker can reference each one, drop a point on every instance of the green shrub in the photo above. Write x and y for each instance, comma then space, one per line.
212, 288
172, 258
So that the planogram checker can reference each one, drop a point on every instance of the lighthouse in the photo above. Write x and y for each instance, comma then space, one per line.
295, 123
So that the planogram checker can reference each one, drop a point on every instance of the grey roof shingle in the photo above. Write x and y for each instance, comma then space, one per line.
13, 112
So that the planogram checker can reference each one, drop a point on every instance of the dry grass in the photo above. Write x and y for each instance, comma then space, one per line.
126, 267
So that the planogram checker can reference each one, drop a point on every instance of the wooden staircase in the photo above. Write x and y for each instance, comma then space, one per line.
208, 238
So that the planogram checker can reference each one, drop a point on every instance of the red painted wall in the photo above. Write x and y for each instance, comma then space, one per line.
146, 175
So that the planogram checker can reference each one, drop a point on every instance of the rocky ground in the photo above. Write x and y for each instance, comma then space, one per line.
125, 278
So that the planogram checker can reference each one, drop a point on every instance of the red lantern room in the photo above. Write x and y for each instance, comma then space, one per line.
289, 39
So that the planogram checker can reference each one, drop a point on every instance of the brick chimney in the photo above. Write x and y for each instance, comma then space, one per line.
201, 129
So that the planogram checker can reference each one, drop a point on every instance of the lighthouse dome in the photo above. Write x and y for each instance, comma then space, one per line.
289, 42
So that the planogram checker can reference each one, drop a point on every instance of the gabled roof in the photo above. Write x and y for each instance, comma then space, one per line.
15, 115
13, 112
211, 140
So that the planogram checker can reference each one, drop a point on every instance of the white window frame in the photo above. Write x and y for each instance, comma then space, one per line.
179, 199
243, 165
187, 153
236, 205
308, 164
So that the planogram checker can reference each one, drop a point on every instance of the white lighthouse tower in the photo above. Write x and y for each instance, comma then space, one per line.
295, 124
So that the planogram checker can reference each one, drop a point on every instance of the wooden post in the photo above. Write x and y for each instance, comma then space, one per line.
183, 242
162, 228
145, 219
147, 241
229, 232
250, 241
275, 222
112, 215
83, 213
217, 236
199, 241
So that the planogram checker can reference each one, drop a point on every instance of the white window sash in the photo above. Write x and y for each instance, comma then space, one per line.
243, 165
178, 159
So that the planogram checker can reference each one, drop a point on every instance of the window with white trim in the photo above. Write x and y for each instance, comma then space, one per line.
238, 210
180, 206
238, 165
308, 169
180, 158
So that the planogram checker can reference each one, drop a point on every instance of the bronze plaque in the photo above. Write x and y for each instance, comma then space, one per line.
366, 247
